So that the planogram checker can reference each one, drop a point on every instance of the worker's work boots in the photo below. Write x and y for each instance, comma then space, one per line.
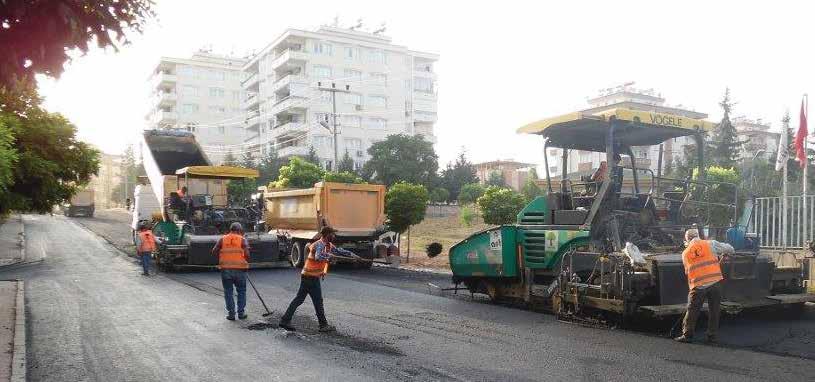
327, 328
286, 325
683, 338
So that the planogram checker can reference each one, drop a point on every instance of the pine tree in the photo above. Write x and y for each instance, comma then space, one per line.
248, 160
312, 156
229, 159
668, 165
346, 164
725, 144
269, 167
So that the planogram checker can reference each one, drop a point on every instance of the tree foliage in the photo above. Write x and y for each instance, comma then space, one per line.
720, 193
312, 156
8, 155
457, 174
39, 36
405, 205
269, 167
299, 174
129, 172
530, 189
346, 164
500, 205
439, 195
496, 179
403, 158
725, 146
343, 177
470, 193
229, 159
52, 164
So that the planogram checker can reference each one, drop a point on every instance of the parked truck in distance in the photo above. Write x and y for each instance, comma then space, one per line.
356, 211
82, 203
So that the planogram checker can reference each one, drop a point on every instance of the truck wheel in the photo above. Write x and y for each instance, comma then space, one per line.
297, 256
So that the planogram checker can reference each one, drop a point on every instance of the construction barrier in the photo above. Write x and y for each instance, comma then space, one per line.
775, 231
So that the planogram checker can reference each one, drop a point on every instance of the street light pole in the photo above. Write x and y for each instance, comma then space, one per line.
333, 89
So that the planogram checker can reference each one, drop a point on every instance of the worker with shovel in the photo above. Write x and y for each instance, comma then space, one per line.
315, 268
233, 260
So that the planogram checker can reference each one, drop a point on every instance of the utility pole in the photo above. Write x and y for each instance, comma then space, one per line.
333, 89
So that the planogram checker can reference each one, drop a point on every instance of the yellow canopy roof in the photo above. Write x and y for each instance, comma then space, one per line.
226, 172
587, 131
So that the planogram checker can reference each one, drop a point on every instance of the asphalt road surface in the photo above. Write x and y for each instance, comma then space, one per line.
91, 316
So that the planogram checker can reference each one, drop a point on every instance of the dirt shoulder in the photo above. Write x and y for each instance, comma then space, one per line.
445, 230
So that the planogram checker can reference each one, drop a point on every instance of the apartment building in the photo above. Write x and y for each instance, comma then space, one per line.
201, 94
109, 176
758, 140
514, 173
630, 97
383, 89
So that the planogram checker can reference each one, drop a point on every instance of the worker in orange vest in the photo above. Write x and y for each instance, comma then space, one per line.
315, 268
182, 192
701, 260
145, 246
233, 260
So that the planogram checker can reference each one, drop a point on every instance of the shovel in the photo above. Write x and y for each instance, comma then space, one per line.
268, 312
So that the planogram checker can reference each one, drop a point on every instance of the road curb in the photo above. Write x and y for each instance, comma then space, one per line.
18, 359
22, 238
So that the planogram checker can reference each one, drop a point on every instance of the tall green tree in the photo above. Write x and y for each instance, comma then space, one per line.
496, 179
439, 195
405, 205
8, 154
346, 164
530, 189
470, 193
39, 36
248, 160
129, 171
457, 174
299, 174
403, 158
52, 163
500, 205
725, 144
312, 156
269, 167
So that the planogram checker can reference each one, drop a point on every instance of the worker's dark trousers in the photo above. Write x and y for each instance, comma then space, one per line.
696, 298
308, 286
234, 279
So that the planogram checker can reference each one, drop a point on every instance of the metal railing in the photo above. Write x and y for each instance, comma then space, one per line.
768, 221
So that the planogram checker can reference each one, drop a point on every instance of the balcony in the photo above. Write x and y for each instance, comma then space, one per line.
422, 116
252, 123
164, 80
290, 58
286, 82
164, 99
163, 118
250, 103
251, 83
288, 151
289, 129
290, 103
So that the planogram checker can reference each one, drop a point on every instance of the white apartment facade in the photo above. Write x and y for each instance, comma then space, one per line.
758, 140
200, 94
385, 89
630, 97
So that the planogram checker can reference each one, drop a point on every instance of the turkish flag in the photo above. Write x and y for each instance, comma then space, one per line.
800, 138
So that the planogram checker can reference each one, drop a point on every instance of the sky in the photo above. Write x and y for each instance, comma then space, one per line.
502, 65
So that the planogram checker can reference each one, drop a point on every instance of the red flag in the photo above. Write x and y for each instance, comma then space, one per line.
800, 137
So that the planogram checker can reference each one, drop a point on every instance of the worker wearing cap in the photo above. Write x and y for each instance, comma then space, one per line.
145, 246
233, 260
315, 268
701, 261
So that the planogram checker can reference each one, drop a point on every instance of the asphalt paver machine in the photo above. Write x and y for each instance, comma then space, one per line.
609, 248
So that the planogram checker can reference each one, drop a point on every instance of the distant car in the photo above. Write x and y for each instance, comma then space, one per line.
80, 204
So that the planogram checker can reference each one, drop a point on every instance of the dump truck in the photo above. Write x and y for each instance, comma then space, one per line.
192, 223
591, 249
82, 203
356, 211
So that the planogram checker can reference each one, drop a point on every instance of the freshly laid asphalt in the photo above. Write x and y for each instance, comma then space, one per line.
91, 316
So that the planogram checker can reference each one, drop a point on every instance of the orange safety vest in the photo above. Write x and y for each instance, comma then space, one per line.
314, 267
231, 255
147, 242
701, 265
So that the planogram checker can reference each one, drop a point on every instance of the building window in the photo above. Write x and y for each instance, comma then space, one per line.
379, 78
377, 56
322, 48
236, 95
321, 71
217, 109
552, 170
378, 101
189, 108
325, 96
352, 121
190, 90
352, 75
351, 53
353, 98
216, 92
221, 130
377, 123
424, 85
322, 117
407, 85
217, 75
322, 141
184, 70
353, 144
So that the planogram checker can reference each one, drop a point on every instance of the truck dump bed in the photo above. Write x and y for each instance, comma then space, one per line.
352, 209
167, 151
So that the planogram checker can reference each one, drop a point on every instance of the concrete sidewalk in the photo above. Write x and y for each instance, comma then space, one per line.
12, 331
12, 240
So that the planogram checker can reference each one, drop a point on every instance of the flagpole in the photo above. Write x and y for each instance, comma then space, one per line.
806, 169
784, 210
